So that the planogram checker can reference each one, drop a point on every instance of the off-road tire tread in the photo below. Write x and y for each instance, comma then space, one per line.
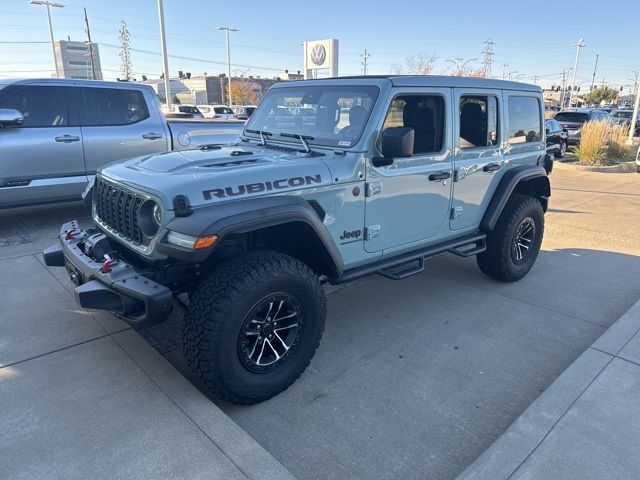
493, 261
226, 285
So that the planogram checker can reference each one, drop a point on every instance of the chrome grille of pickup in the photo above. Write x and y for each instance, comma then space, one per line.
118, 209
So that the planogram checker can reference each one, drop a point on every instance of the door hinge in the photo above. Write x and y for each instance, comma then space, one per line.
372, 231
372, 189
456, 212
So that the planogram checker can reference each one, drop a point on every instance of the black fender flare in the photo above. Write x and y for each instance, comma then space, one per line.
508, 183
245, 216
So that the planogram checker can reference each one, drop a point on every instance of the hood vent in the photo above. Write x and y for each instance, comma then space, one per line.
232, 163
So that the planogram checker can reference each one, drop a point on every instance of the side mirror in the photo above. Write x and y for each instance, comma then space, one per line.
10, 118
396, 142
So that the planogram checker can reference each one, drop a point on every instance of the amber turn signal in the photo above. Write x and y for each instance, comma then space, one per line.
204, 242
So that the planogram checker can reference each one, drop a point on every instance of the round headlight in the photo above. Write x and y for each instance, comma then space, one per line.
157, 215
149, 218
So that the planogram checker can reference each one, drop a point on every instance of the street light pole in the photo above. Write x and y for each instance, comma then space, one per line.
578, 46
634, 118
228, 29
165, 60
49, 4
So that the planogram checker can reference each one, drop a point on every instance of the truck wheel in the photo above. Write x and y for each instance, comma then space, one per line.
561, 150
514, 243
253, 325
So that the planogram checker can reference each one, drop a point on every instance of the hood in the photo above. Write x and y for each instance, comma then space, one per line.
220, 174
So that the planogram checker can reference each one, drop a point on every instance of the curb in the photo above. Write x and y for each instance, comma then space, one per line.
501, 460
244, 452
623, 167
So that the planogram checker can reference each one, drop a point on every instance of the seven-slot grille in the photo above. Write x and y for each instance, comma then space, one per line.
118, 209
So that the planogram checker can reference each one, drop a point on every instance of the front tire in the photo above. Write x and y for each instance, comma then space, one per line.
253, 325
513, 245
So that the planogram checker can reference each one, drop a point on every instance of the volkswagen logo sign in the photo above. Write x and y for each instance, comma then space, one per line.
318, 54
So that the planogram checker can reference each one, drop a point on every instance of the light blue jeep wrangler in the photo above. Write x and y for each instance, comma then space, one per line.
331, 180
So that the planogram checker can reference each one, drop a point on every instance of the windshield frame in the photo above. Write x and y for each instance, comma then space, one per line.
373, 90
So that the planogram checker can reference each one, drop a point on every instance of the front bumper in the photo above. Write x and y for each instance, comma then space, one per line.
118, 288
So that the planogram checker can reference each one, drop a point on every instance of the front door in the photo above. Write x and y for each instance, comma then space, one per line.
43, 160
408, 201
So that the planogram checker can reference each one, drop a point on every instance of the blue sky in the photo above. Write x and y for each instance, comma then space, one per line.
529, 39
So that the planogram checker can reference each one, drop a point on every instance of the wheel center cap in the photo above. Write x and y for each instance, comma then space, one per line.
267, 329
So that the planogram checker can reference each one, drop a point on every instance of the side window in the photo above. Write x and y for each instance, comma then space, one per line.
112, 106
478, 121
40, 106
423, 113
524, 120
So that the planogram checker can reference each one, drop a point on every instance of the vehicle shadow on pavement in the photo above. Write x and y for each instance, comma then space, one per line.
414, 379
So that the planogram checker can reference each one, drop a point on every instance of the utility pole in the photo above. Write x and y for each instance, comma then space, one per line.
53, 43
634, 117
227, 30
487, 58
457, 61
578, 46
635, 82
165, 60
504, 70
93, 66
593, 79
365, 58
535, 79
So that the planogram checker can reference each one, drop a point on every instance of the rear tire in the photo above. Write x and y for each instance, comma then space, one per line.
513, 245
563, 149
253, 325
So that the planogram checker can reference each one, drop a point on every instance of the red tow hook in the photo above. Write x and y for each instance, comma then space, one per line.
69, 234
106, 266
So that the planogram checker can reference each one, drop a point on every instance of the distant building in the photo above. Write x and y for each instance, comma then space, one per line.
175, 85
73, 60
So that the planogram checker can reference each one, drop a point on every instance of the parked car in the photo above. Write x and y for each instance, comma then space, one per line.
185, 108
573, 119
243, 112
55, 134
251, 231
219, 112
557, 138
624, 117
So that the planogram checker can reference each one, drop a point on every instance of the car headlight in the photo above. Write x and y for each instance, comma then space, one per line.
150, 218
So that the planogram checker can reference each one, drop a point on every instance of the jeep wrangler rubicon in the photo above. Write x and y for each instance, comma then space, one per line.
331, 180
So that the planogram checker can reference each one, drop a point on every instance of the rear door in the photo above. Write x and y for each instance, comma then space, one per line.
478, 161
119, 123
42, 161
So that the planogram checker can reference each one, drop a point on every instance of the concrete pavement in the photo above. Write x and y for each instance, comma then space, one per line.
83, 396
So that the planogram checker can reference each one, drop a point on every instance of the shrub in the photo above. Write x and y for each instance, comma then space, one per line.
593, 143
618, 148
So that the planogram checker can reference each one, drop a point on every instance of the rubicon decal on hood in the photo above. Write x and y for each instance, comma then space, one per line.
251, 188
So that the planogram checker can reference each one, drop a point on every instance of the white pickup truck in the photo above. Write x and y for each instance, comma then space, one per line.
55, 134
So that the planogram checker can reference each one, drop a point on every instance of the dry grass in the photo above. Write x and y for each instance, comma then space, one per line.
618, 148
593, 143
549, 114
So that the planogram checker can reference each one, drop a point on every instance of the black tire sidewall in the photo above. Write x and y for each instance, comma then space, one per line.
227, 344
533, 209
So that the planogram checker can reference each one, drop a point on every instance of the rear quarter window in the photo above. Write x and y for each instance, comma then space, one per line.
573, 117
525, 124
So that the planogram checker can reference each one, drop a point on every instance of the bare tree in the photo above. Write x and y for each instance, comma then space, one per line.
126, 67
419, 64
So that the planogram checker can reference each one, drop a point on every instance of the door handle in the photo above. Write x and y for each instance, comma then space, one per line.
491, 167
434, 177
152, 136
67, 139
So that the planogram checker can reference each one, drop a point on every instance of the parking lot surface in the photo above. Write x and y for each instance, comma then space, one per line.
413, 379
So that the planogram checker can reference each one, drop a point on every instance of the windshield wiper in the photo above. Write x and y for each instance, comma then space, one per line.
262, 133
303, 139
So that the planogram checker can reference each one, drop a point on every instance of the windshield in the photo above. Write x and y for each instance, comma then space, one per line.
576, 117
332, 115
622, 114
222, 110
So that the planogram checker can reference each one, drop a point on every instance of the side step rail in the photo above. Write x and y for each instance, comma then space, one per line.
464, 251
404, 270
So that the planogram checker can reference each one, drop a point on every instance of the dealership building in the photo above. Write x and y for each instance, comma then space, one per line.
73, 60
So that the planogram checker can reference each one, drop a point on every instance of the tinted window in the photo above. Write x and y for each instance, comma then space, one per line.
478, 121
186, 109
112, 106
40, 106
524, 120
573, 117
423, 113
622, 114
250, 110
223, 110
